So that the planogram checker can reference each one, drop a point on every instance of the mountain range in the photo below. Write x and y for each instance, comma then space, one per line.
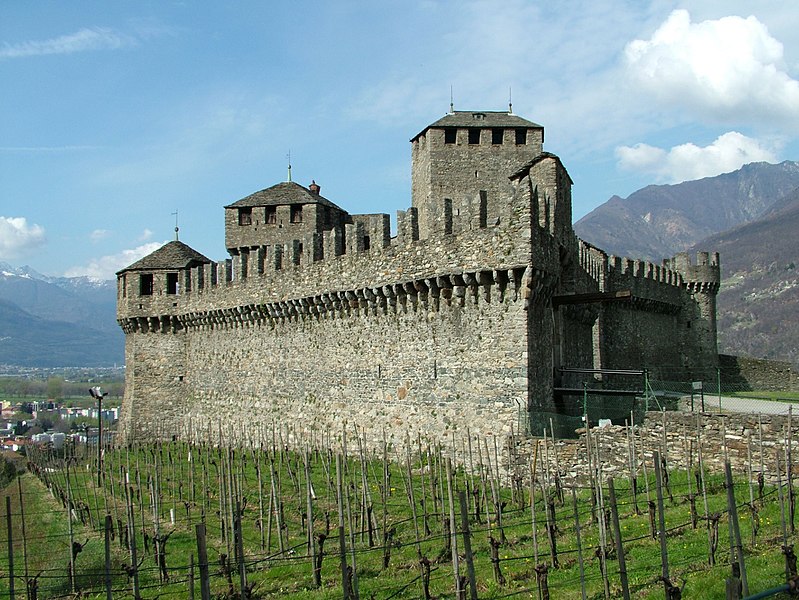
57, 321
749, 216
659, 220
758, 305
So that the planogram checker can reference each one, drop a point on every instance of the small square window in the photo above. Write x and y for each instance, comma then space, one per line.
496, 135
245, 216
296, 213
474, 136
450, 135
171, 283
521, 137
146, 284
271, 215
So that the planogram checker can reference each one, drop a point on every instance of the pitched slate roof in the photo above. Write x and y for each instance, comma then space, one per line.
525, 168
482, 119
173, 255
286, 192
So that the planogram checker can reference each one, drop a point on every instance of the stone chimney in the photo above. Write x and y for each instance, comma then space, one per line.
314, 187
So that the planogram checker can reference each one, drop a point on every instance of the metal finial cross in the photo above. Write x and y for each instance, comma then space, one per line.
176, 224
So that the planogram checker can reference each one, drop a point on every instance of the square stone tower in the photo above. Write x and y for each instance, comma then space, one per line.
461, 166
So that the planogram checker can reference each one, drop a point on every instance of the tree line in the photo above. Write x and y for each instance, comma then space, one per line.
56, 388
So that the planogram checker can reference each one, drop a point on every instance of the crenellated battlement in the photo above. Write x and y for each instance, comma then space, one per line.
292, 271
703, 276
457, 289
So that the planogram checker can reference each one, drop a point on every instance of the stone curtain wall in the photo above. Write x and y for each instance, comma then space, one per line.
432, 371
739, 432
758, 374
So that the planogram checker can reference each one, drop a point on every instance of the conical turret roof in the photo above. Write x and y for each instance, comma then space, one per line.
173, 255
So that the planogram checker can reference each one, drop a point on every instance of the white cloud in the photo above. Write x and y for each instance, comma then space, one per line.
16, 236
145, 235
689, 161
568, 83
94, 38
99, 234
105, 267
729, 68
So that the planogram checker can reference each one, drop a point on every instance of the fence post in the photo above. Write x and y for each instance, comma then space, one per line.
24, 535
732, 586
10, 549
191, 576
308, 515
733, 515
108, 527
467, 545
240, 551
72, 585
614, 511
579, 544
453, 532
202, 557
342, 544
664, 555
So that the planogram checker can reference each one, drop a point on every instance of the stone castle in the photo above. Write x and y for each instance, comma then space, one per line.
482, 311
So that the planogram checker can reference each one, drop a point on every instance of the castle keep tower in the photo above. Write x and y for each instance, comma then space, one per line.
460, 167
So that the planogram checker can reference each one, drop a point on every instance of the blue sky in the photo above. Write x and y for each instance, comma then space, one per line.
114, 115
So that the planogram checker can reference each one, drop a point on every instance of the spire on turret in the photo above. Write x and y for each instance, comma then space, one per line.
288, 158
451, 102
176, 225
510, 100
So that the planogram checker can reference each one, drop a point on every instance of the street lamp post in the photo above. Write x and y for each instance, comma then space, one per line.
98, 394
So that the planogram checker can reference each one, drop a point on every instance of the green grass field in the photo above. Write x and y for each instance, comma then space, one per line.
201, 487
781, 396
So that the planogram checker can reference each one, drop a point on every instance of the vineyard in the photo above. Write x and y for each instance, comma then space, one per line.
323, 518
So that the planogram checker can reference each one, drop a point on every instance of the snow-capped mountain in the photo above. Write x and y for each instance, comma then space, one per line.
50, 321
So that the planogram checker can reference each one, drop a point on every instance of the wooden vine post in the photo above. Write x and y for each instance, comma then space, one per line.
664, 554
467, 545
625, 587
579, 544
342, 543
309, 518
10, 549
202, 558
453, 532
733, 516
109, 526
